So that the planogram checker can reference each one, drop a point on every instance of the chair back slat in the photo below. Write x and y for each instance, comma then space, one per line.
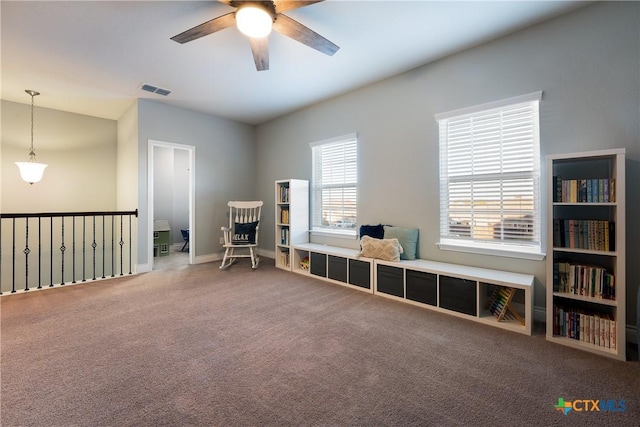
244, 212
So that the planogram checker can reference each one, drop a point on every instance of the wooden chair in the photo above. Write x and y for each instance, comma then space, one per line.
242, 233
185, 237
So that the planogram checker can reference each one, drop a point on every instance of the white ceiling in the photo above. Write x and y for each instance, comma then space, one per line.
90, 57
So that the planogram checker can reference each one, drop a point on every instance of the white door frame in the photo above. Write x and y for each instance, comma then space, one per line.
150, 214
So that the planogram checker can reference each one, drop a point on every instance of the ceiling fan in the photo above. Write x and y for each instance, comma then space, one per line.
256, 19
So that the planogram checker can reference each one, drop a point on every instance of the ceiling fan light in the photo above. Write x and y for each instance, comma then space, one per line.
254, 21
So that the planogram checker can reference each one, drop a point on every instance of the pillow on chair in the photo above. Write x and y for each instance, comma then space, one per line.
385, 249
244, 233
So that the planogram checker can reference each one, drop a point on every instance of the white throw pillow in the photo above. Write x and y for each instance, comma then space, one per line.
386, 249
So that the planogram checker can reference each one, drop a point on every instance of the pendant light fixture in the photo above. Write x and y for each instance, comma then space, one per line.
31, 171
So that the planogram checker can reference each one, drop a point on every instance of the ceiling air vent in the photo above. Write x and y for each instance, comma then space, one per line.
154, 89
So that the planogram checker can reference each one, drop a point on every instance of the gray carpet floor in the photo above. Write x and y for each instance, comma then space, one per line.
196, 346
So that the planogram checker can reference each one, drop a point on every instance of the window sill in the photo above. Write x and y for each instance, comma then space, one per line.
483, 250
337, 234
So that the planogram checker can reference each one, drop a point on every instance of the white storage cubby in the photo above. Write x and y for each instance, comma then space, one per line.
337, 265
493, 297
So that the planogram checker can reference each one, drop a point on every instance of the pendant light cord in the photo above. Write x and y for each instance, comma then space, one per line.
32, 153
33, 93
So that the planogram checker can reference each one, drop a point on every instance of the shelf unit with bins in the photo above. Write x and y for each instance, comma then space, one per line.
586, 251
463, 291
291, 217
341, 266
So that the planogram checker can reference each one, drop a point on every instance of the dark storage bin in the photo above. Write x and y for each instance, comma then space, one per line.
360, 273
318, 264
458, 295
390, 280
337, 268
422, 287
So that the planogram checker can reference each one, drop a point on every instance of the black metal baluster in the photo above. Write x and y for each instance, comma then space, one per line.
51, 252
130, 243
103, 248
84, 247
113, 246
121, 243
13, 255
94, 245
73, 249
62, 249
26, 254
39, 253
0, 253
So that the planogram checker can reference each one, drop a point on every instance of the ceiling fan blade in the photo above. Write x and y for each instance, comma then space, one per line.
284, 5
209, 27
292, 28
260, 50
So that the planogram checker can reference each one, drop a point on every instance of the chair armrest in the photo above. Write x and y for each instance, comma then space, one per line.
226, 233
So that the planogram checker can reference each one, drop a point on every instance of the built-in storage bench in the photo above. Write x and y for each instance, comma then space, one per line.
338, 265
494, 297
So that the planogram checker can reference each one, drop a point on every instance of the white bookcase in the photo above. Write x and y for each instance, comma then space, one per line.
292, 218
586, 251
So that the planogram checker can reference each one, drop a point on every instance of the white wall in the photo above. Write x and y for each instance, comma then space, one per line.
588, 65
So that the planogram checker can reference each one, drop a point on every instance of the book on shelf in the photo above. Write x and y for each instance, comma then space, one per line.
284, 258
284, 236
284, 194
284, 216
598, 329
585, 280
598, 235
584, 190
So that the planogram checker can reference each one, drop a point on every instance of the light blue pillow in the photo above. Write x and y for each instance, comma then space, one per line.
408, 238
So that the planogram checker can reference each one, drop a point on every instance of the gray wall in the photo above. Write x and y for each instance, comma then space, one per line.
588, 65
225, 160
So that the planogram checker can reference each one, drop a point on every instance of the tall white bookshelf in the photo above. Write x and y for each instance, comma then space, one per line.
586, 284
292, 218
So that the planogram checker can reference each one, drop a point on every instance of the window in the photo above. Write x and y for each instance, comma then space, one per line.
334, 185
490, 178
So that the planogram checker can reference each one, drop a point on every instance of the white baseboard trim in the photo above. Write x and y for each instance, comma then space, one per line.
143, 268
267, 253
201, 259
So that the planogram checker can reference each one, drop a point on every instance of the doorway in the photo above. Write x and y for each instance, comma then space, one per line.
171, 198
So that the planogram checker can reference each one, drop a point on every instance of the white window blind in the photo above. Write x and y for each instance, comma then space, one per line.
490, 176
334, 185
